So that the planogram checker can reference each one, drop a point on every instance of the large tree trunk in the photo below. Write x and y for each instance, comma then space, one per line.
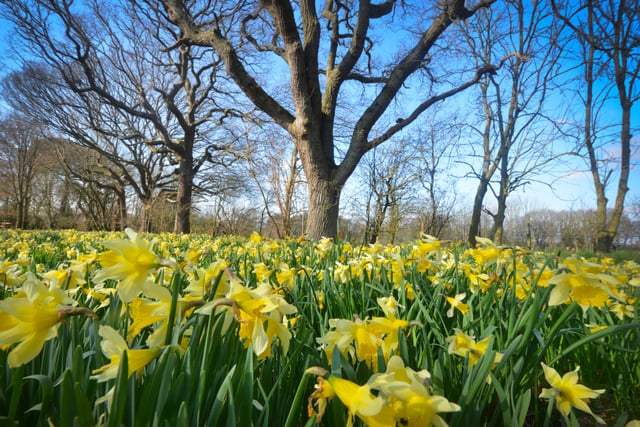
324, 200
121, 220
184, 196
474, 227
287, 205
498, 218
606, 231
21, 214
498, 223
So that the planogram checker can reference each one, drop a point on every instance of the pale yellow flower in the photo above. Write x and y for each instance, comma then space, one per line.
262, 272
113, 346
146, 312
456, 303
10, 273
595, 328
568, 393
407, 393
286, 276
256, 309
582, 282
358, 400
361, 339
622, 310
129, 261
389, 305
465, 345
31, 317
200, 287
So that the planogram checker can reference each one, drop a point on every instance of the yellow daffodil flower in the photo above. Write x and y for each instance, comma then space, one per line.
463, 345
146, 312
622, 310
407, 393
476, 278
486, 254
113, 346
31, 317
358, 399
10, 273
389, 305
262, 272
387, 329
67, 278
255, 239
457, 304
351, 337
201, 286
595, 328
286, 276
255, 309
582, 282
192, 256
361, 339
129, 261
568, 393
362, 403
322, 394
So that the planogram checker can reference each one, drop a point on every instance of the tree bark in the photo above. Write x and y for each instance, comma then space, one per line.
324, 199
20, 216
184, 196
474, 227
498, 218
287, 205
121, 220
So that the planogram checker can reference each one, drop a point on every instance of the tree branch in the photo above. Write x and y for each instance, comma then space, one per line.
178, 15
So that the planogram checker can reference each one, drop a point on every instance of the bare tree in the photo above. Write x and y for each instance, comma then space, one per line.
126, 58
515, 132
275, 169
434, 145
239, 31
99, 183
609, 35
84, 120
389, 174
53, 200
20, 144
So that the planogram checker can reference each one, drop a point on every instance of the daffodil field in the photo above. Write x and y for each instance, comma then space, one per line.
137, 330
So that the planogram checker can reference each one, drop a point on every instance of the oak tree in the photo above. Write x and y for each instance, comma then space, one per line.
341, 50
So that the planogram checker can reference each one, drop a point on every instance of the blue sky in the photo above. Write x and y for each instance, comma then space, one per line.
572, 183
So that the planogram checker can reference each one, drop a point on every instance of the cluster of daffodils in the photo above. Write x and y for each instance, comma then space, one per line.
33, 314
403, 397
261, 313
248, 284
364, 339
